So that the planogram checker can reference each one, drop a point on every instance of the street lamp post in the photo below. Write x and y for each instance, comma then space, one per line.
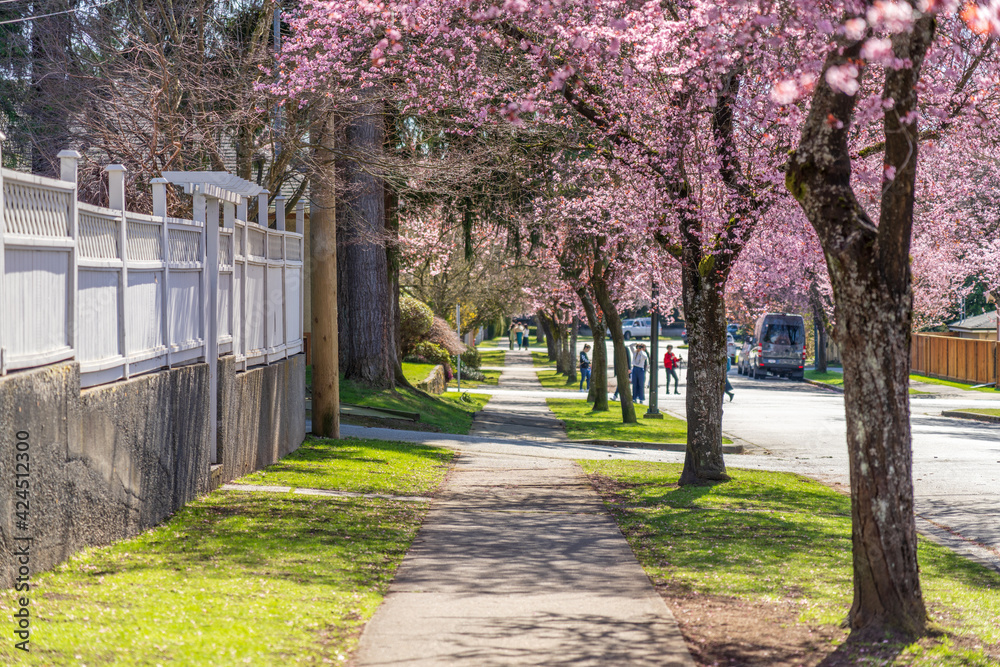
653, 411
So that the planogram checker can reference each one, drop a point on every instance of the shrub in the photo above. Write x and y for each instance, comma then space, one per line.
433, 353
415, 320
444, 336
472, 374
471, 360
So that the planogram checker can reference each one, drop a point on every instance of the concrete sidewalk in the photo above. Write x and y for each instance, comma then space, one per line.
520, 563
516, 415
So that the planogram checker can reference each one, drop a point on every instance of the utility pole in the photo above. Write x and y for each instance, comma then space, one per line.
653, 412
458, 328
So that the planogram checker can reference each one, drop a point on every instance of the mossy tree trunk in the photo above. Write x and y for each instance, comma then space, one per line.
869, 267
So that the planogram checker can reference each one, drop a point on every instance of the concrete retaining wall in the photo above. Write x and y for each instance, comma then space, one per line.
109, 462
435, 382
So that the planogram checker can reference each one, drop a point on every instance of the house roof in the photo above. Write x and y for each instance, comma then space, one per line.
984, 322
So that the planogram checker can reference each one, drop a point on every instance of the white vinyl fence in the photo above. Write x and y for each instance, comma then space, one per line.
125, 293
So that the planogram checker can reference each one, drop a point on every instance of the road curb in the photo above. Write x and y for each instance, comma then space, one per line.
829, 387
961, 414
664, 446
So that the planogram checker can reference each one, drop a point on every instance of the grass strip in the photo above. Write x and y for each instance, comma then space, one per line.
352, 464
550, 379
777, 538
582, 423
540, 358
948, 383
837, 380
832, 379
235, 577
983, 411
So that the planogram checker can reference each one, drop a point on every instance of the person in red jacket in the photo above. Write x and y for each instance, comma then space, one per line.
670, 364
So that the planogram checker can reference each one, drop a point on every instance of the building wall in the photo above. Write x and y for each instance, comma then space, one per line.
112, 461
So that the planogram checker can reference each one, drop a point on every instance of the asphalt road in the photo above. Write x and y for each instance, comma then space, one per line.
796, 427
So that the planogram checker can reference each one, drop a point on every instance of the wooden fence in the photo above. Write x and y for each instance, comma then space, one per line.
958, 359
125, 293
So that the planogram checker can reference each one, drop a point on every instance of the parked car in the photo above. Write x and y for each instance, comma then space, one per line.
731, 347
638, 328
742, 367
777, 347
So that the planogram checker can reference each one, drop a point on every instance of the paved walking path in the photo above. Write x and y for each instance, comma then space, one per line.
519, 563
518, 415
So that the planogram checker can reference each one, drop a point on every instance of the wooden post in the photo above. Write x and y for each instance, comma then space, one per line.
116, 200
323, 279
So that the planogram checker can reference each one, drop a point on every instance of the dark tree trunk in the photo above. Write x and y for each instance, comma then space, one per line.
599, 368
392, 260
869, 270
614, 322
367, 319
563, 361
820, 328
705, 315
573, 356
550, 342
323, 278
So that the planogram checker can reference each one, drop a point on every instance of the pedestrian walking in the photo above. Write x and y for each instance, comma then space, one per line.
728, 388
526, 338
512, 334
519, 330
640, 363
585, 367
671, 362
628, 370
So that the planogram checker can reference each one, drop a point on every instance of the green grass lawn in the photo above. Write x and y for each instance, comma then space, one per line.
352, 464
832, 379
582, 423
492, 357
236, 577
775, 537
541, 358
550, 379
948, 383
416, 372
449, 412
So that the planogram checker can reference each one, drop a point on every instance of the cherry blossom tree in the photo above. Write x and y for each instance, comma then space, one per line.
867, 101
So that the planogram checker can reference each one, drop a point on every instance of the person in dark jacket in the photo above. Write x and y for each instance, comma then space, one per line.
585, 367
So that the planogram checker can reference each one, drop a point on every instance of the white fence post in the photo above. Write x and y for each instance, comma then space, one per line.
3, 225
68, 163
159, 186
279, 212
116, 201
210, 267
